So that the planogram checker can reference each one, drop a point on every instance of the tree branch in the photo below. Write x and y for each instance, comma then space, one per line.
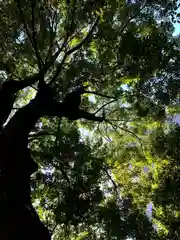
43, 104
48, 63
113, 182
85, 39
78, 46
126, 130
51, 19
107, 138
128, 21
26, 28
34, 37
8, 95
114, 100
65, 40
90, 116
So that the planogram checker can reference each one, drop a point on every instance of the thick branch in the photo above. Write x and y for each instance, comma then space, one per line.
8, 95
10, 88
90, 116
21, 124
78, 114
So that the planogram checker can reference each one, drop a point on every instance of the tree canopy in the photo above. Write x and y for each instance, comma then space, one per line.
109, 168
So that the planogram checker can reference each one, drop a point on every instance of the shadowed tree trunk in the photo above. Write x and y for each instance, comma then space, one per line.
18, 219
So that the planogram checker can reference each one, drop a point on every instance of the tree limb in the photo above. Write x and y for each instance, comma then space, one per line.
128, 21
48, 63
114, 100
8, 95
113, 182
90, 116
65, 40
34, 37
27, 31
126, 130
51, 31
78, 46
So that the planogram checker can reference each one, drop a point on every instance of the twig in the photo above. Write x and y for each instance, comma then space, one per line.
113, 182
107, 134
85, 39
33, 88
25, 25
126, 130
17, 77
22, 17
114, 100
99, 130
55, 226
26, 62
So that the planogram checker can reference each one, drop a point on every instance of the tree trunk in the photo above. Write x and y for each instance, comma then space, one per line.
18, 219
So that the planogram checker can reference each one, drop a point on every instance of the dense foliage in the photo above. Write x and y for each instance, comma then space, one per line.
116, 179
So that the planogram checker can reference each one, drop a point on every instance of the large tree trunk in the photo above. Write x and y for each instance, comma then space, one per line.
18, 219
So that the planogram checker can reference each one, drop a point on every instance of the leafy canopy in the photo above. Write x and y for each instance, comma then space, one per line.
95, 180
